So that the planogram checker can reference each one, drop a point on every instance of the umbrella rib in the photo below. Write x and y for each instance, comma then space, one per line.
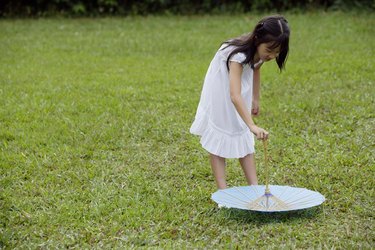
291, 197
285, 189
306, 202
252, 188
232, 195
231, 203
300, 199
279, 203
256, 190
285, 196
239, 190
231, 200
255, 204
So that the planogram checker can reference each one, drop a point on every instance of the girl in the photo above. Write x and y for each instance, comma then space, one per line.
230, 95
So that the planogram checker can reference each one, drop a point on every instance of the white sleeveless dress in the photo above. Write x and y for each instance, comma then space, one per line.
217, 122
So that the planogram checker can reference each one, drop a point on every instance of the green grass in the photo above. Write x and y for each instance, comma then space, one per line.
95, 150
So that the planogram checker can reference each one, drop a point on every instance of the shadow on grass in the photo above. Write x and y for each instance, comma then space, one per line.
262, 218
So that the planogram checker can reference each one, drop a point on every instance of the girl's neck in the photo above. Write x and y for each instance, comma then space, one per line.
256, 57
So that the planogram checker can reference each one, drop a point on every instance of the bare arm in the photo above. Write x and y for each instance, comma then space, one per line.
235, 73
256, 91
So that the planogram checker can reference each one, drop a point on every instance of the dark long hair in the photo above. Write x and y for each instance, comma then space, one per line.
272, 29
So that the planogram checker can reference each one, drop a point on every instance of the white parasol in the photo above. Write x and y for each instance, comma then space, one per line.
267, 198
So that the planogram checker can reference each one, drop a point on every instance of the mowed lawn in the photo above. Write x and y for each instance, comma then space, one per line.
95, 150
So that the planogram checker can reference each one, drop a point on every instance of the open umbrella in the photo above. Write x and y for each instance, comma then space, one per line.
268, 198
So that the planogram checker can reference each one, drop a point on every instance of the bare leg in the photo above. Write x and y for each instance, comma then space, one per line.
249, 169
218, 169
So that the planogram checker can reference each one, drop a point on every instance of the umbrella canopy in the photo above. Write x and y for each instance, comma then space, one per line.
267, 198
282, 198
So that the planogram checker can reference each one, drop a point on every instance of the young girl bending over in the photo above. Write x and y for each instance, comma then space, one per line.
230, 95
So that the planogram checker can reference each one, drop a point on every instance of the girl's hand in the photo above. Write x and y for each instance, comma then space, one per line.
255, 108
260, 133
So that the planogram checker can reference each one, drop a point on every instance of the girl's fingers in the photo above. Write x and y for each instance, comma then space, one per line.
262, 135
266, 135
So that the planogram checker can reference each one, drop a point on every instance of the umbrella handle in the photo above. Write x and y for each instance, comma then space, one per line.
268, 192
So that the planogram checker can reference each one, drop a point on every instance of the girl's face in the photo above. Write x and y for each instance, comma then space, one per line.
266, 53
